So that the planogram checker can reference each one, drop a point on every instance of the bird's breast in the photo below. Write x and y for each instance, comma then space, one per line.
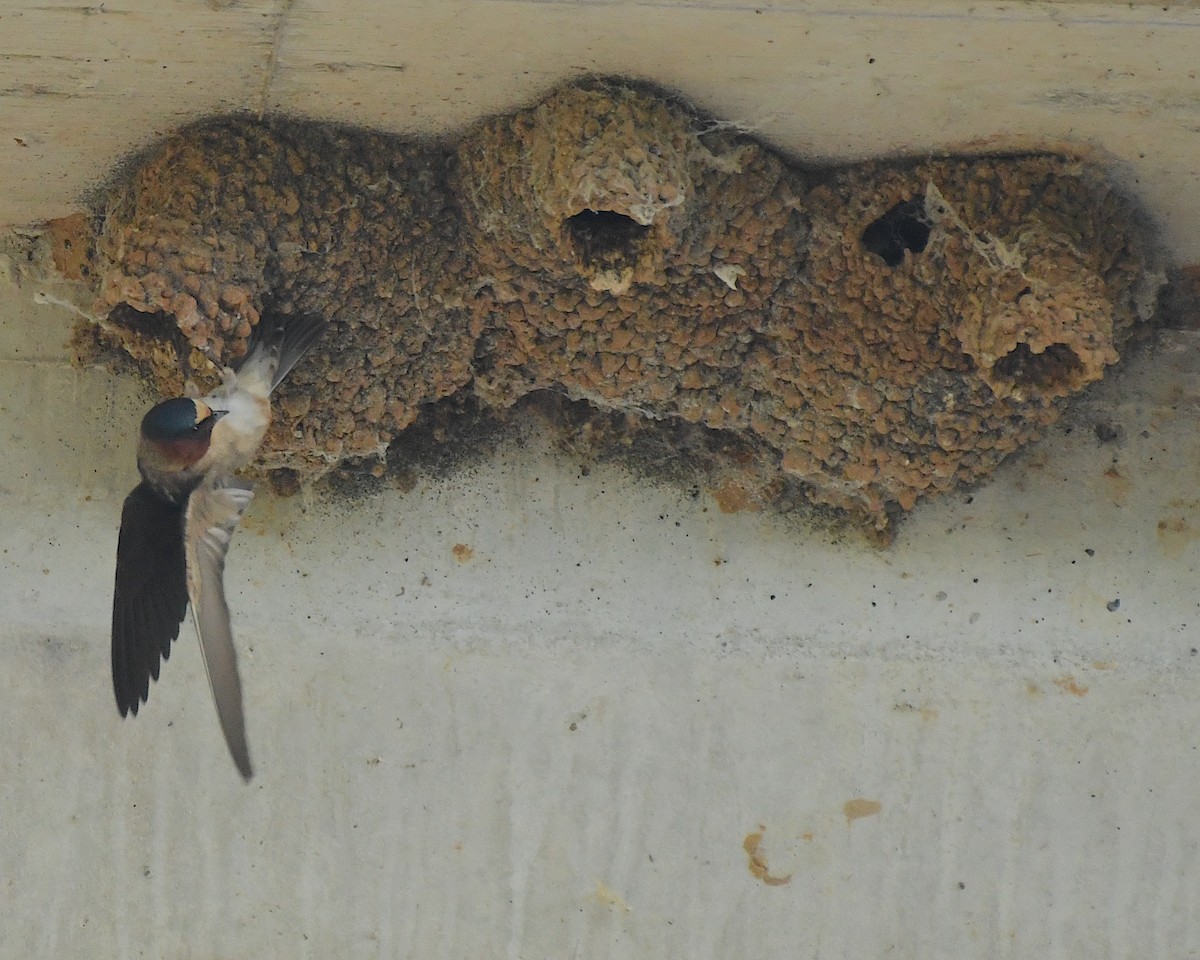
172, 467
237, 436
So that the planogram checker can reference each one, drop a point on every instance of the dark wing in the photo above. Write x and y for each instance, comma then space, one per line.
212, 515
300, 333
276, 345
150, 595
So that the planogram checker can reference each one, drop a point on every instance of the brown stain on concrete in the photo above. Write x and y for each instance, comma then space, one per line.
1068, 684
604, 894
757, 862
925, 712
1175, 535
1118, 486
860, 807
462, 553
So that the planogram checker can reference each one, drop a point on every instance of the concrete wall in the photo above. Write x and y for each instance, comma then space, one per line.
561, 740
526, 713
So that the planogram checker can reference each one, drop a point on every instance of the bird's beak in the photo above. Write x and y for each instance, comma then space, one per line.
204, 412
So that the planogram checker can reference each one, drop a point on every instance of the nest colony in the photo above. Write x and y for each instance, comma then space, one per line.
857, 338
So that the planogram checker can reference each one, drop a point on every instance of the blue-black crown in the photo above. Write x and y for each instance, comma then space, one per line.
170, 420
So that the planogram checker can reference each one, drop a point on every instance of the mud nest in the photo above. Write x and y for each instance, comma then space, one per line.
855, 338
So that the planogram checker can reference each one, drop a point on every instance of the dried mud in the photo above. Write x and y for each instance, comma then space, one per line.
855, 338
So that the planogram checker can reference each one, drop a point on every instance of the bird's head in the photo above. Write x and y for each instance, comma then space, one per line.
176, 433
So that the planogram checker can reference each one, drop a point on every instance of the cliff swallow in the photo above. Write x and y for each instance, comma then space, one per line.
177, 523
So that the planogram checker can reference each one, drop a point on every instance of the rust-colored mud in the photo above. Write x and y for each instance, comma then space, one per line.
861, 337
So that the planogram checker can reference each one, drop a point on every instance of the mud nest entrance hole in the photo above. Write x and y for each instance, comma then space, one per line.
604, 236
1056, 364
904, 227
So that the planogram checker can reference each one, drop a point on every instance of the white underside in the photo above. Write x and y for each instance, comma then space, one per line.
238, 434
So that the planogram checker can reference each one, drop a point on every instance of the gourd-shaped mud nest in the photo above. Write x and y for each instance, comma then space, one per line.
853, 338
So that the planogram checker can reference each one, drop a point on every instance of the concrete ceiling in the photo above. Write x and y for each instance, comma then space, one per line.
82, 85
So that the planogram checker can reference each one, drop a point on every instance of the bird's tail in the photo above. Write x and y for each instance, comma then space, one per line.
277, 344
